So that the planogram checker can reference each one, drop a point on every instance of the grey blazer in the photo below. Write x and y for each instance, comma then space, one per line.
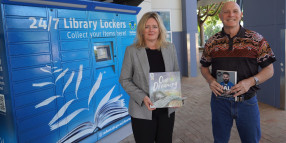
134, 77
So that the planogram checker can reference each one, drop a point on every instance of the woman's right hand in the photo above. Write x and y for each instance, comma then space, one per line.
147, 103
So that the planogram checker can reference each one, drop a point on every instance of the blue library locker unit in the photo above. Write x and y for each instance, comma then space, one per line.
60, 62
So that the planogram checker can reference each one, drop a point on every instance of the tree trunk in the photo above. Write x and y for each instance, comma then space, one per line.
202, 35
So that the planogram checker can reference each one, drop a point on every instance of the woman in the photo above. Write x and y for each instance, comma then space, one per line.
150, 53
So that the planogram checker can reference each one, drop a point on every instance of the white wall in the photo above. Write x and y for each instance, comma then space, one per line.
145, 7
176, 12
174, 6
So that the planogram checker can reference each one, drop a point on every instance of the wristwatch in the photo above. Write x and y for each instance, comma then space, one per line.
256, 80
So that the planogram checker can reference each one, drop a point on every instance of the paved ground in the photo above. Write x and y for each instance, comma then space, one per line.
193, 120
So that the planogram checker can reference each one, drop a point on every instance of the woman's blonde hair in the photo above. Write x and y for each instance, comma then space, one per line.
140, 42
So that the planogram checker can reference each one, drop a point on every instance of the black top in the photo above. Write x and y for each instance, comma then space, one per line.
156, 61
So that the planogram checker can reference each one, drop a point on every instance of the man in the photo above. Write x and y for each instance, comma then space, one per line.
241, 50
226, 84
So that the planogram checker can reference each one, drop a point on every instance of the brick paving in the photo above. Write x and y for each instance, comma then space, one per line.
193, 120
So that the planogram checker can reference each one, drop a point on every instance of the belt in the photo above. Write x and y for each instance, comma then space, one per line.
239, 98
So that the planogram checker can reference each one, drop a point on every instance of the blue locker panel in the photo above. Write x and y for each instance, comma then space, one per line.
41, 129
85, 83
122, 48
75, 55
82, 94
25, 49
75, 65
18, 62
31, 73
109, 82
109, 72
127, 17
74, 45
33, 98
36, 121
125, 43
101, 15
31, 110
81, 103
23, 23
16, 10
66, 13
49, 138
33, 85
14, 37
86, 74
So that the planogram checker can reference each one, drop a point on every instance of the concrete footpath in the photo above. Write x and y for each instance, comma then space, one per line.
193, 120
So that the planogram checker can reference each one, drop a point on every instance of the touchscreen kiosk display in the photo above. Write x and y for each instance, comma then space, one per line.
102, 53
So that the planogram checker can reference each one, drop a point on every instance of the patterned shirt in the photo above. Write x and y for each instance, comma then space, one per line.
243, 53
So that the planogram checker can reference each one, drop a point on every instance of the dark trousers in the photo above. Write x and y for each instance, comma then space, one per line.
159, 129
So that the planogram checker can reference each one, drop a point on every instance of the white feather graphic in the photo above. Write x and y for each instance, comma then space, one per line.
42, 84
62, 74
46, 102
67, 119
68, 82
116, 98
44, 70
95, 87
103, 101
79, 78
58, 70
61, 112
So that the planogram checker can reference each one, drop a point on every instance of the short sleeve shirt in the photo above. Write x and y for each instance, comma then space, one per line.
243, 53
